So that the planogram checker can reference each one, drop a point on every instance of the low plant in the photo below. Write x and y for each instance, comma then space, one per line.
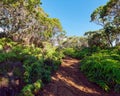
35, 64
103, 68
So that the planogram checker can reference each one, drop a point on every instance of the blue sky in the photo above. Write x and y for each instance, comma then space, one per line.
74, 15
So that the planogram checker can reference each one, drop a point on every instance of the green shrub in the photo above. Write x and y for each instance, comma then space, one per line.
103, 68
80, 54
31, 89
27, 90
36, 64
69, 52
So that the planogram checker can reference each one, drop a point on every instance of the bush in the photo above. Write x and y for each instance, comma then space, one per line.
80, 53
36, 64
31, 89
103, 68
69, 52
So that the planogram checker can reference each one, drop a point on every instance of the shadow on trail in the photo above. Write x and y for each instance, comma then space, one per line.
69, 81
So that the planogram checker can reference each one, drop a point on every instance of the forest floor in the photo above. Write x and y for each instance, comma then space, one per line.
70, 81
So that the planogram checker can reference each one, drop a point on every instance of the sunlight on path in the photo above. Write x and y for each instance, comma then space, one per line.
73, 84
69, 81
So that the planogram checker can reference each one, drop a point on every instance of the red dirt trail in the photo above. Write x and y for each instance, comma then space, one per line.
69, 81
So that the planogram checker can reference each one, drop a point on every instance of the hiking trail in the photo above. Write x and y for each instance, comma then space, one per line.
70, 81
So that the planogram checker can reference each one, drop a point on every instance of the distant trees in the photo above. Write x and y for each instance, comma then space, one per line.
75, 42
96, 38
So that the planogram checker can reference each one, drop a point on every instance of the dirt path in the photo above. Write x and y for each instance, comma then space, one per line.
69, 81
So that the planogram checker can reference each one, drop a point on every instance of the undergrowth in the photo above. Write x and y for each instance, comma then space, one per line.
103, 68
32, 65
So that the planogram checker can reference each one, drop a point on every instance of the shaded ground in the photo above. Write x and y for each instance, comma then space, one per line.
69, 81
10, 84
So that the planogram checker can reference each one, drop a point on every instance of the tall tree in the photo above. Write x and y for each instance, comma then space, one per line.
108, 16
26, 20
96, 38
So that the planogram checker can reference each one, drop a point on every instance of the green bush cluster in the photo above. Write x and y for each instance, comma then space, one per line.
69, 52
35, 63
78, 53
31, 89
103, 68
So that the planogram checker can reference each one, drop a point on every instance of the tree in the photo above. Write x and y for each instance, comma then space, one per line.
97, 38
75, 42
108, 16
25, 20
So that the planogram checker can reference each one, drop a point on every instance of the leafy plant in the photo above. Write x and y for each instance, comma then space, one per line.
103, 68
35, 64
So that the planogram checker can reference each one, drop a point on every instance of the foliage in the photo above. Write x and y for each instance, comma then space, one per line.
69, 52
104, 14
103, 68
75, 42
31, 89
97, 39
52, 57
25, 21
80, 53
108, 17
29, 63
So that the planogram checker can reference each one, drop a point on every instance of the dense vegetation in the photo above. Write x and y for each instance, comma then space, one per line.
27, 55
32, 46
101, 57
103, 68
103, 65
30, 65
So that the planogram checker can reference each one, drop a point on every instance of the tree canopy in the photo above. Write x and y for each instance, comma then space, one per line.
26, 19
108, 16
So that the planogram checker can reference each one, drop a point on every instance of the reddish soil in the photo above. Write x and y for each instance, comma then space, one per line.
69, 81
